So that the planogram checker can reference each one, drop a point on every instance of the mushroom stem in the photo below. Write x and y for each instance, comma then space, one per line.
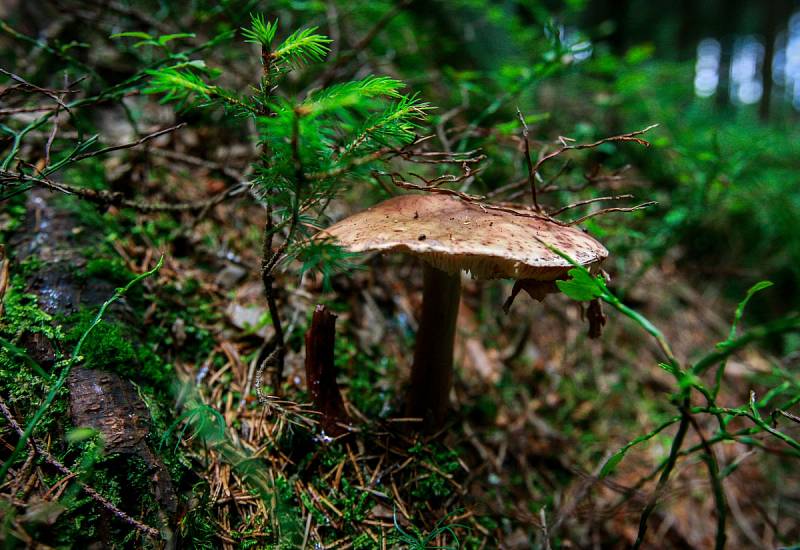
432, 373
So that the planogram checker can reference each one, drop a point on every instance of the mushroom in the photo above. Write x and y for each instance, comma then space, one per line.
451, 235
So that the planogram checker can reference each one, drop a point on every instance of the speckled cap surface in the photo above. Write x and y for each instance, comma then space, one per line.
452, 234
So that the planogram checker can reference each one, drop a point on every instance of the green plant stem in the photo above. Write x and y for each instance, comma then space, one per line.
780, 326
716, 486
645, 323
62, 377
677, 443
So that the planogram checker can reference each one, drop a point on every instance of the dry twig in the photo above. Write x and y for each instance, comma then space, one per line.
103, 501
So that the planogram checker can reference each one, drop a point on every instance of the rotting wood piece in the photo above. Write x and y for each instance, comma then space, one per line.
321, 372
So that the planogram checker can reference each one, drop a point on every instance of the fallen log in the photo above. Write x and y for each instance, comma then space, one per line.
99, 398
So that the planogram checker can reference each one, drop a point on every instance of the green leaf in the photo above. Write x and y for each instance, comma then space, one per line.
145, 43
612, 463
396, 123
350, 94
669, 368
582, 287
132, 34
759, 286
176, 84
162, 40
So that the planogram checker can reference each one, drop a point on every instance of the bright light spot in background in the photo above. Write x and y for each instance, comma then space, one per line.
746, 66
791, 61
748, 57
580, 48
706, 71
786, 62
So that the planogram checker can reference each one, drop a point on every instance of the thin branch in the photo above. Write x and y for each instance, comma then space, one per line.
136, 143
716, 485
790, 416
531, 169
52, 94
614, 209
115, 198
330, 73
229, 172
630, 136
103, 501
19, 110
472, 199
677, 443
565, 146
589, 201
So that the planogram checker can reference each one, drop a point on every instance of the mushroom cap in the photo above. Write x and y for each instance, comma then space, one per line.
452, 234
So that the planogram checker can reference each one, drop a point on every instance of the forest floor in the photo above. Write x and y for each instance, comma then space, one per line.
537, 408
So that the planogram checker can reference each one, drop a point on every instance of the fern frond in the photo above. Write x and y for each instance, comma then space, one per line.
260, 31
350, 94
302, 47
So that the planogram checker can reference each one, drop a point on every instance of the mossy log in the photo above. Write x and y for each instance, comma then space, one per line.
53, 242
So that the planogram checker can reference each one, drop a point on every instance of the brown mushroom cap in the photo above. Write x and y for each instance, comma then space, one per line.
452, 234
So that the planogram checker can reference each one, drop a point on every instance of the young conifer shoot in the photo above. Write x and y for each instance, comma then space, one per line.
312, 143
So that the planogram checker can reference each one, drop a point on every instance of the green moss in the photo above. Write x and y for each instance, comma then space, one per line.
109, 346
21, 311
197, 528
112, 270
352, 502
365, 375
23, 390
183, 304
442, 459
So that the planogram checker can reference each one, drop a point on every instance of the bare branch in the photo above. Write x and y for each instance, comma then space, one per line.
136, 143
113, 198
107, 504
531, 170
589, 201
330, 73
615, 209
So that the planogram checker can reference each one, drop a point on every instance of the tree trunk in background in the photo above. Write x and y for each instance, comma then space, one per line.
776, 19
770, 34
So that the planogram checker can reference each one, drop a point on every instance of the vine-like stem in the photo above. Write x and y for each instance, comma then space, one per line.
677, 443
716, 485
